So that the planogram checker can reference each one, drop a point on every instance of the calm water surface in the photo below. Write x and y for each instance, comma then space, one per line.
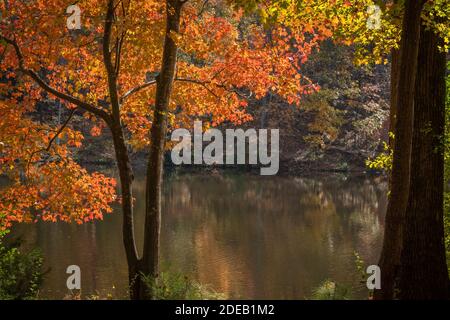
246, 236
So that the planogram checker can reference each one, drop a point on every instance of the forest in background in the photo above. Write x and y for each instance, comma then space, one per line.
335, 129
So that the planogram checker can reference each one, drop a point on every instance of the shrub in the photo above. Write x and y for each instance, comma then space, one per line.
20, 273
176, 286
329, 290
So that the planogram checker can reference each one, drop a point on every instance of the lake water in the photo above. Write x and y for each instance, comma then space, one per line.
246, 236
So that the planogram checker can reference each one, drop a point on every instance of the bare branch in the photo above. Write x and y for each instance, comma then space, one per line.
50, 143
64, 125
201, 83
233, 90
204, 84
84, 105
136, 89
222, 86
66, 97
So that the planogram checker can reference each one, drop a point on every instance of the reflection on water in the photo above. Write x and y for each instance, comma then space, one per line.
247, 236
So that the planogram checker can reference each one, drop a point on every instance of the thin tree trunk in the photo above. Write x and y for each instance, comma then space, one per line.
164, 84
126, 180
423, 271
398, 200
123, 160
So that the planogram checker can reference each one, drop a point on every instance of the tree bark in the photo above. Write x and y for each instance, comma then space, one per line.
164, 85
395, 73
423, 268
398, 200
126, 180
123, 160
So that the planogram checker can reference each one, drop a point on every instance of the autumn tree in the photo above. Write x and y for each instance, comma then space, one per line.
138, 69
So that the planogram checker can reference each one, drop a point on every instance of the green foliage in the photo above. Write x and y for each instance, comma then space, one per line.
341, 113
345, 21
327, 119
330, 290
3, 230
248, 6
436, 16
383, 161
20, 273
176, 286
360, 266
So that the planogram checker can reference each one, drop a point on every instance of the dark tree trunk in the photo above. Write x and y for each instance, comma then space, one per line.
122, 158
398, 200
126, 180
164, 84
423, 271
395, 73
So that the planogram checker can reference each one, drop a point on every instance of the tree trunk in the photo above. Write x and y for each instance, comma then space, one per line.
126, 180
164, 84
395, 73
122, 158
398, 200
423, 270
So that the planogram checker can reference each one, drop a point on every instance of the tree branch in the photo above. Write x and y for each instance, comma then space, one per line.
64, 125
66, 97
222, 86
50, 143
136, 89
110, 70
201, 83
198, 82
